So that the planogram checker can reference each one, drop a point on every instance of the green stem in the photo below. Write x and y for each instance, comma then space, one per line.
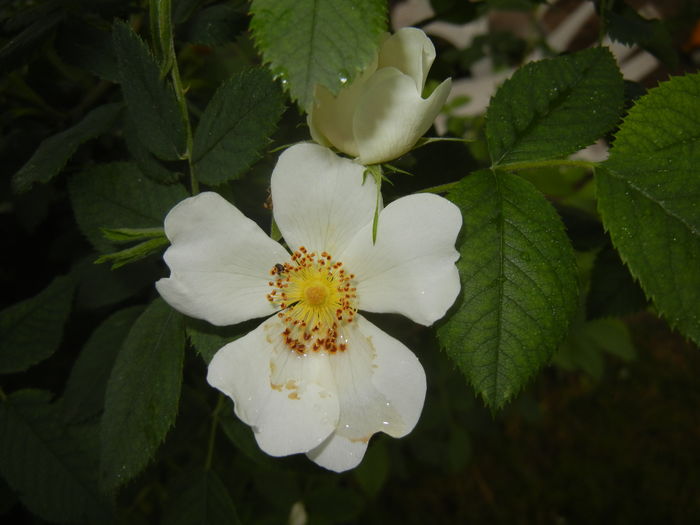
170, 56
182, 102
535, 164
212, 431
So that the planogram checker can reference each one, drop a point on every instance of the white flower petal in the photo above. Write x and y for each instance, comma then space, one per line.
316, 135
381, 387
338, 453
319, 199
219, 262
410, 270
391, 115
289, 399
410, 51
330, 117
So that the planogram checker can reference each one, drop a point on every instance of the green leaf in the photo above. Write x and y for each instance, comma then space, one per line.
143, 393
371, 475
98, 286
519, 284
121, 235
51, 469
630, 28
648, 197
149, 165
118, 196
183, 9
613, 337
331, 503
554, 107
151, 100
308, 42
134, 253
235, 126
88, 47
241, 436
53, 153
203, 500
217, 24
31, 331
612, 292
19, 49
85, 390
208, 339
588, 341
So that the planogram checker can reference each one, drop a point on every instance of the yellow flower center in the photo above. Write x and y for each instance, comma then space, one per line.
316, 294
316, 298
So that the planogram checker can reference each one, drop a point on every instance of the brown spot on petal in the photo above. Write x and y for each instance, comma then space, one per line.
294, 395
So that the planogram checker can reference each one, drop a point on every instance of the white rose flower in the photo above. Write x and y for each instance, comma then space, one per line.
316, 376
382, 114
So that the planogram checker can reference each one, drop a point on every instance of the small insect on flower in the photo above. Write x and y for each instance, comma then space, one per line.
280, 268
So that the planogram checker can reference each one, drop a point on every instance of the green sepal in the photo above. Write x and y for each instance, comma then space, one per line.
134, 253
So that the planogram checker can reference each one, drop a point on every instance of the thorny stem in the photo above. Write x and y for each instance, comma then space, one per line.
212, 431
164, 15
182, 102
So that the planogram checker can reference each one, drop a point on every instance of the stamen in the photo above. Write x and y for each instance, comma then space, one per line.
317, 297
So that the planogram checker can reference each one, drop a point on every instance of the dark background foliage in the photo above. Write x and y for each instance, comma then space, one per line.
608, 432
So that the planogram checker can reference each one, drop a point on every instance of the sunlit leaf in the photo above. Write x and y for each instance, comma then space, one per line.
519, 285
649, 198
554, 107
307, 42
